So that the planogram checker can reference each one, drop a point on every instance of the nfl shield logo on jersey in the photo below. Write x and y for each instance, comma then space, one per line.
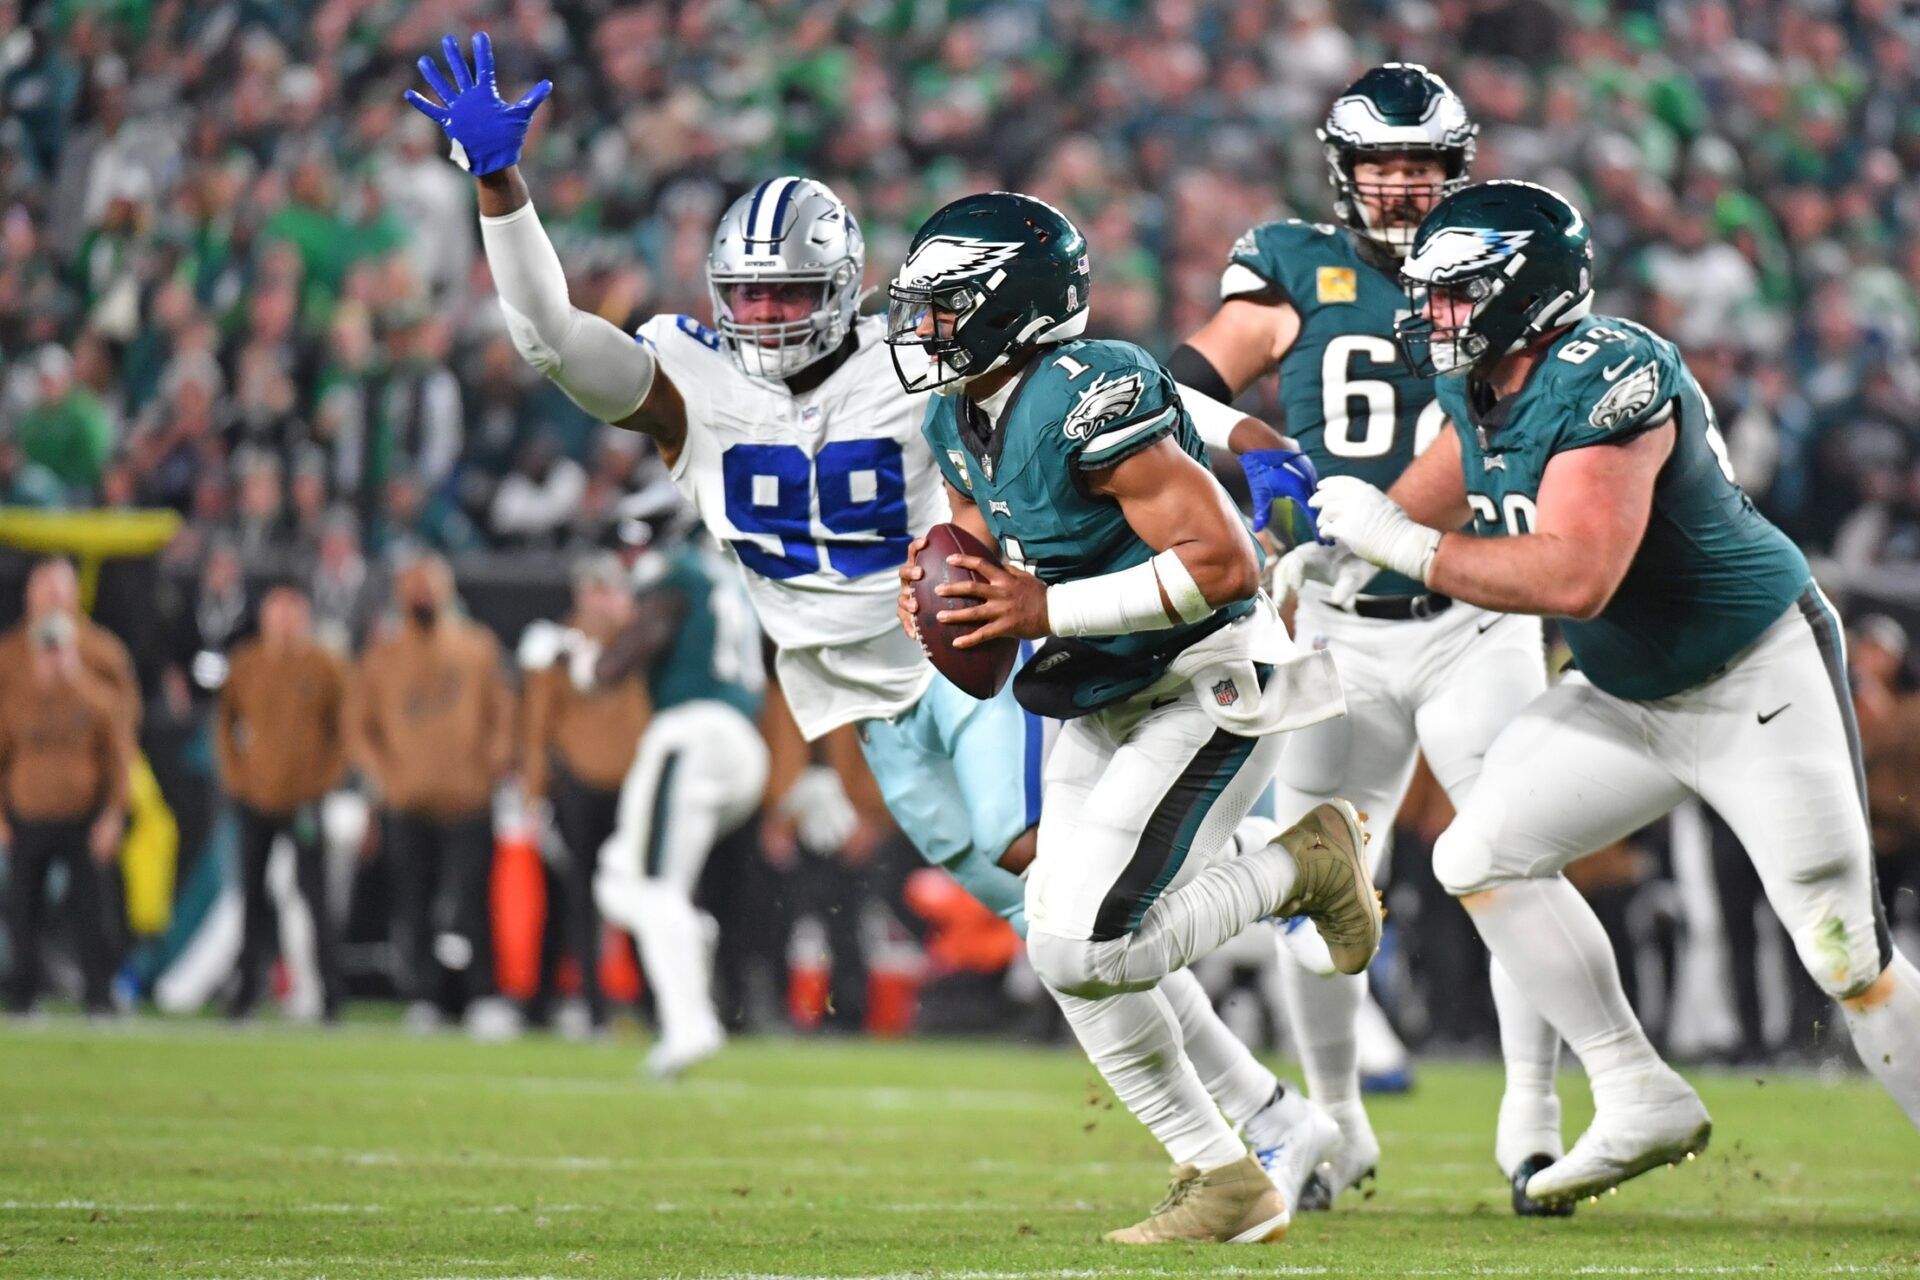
1226, 692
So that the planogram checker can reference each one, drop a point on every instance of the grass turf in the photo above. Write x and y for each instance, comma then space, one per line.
191, 1150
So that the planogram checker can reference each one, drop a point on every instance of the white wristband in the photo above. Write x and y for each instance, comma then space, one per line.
1110, 605
1412, 551
1188, 600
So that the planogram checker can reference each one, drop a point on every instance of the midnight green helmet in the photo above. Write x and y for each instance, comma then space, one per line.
988, 277
1398, 108
1518, 252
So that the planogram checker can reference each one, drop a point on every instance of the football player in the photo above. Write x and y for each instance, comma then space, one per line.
784, 427
788, 431
1423, 673
1708, 662
698, 773
1169, 668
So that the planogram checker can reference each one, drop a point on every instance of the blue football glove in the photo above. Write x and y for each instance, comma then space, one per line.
1281, 481
487, 130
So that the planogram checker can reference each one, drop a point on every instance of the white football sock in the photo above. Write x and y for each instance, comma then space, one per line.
1236, 1081
1553, 947
1321, 1014
1529, 1109
1887, 1035
669, 932
1381, 1052
1200, 916
1134, 1040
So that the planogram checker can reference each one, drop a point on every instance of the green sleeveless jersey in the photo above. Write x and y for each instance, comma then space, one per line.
1354, 405
1078, 407
1711, 573
715, 653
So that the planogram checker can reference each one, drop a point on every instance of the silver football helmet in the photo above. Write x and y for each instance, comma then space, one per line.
787, 231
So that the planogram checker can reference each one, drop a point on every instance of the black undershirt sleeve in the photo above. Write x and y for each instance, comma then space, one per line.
1191, 369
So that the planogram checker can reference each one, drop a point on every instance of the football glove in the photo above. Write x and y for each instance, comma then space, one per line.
487, 131
1338, 569
1281, 481
1361, 517
824, 818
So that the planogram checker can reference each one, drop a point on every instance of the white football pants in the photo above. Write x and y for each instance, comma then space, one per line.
1442, 687
1769, 743
698, 773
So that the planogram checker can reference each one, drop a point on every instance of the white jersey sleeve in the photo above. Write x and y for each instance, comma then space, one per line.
817, 496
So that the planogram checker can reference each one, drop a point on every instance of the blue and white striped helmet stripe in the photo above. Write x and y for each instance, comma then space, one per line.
770, 205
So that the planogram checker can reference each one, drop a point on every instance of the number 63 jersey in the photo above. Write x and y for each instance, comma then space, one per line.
1711, 573
816, 495
1350, 400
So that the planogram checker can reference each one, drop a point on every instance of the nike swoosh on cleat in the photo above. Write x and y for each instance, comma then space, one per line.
1771, 714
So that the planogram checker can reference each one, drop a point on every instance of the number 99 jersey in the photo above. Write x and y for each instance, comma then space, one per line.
1350, 400
817, 495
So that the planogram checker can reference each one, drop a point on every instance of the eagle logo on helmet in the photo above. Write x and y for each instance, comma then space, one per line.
1106, 399
1457, 252
940, 259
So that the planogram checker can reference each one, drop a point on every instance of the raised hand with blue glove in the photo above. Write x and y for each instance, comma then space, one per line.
487, 130
1281, 482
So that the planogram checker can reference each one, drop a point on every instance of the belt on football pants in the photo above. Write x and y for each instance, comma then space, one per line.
1402, 608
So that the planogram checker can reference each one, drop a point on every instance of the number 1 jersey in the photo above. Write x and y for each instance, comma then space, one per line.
817, 496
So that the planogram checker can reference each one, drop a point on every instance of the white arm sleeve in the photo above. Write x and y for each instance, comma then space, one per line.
1213, 420
603, 370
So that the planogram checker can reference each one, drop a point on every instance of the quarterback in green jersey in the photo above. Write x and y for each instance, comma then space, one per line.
1708, 663
1170, 670
1424, 674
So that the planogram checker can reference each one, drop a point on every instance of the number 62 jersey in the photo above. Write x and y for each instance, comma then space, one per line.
816, 495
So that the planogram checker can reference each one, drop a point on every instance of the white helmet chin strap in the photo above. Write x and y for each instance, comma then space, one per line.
1040, 329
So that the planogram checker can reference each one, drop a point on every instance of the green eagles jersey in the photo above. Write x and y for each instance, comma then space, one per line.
715, 652
1078, 407
1350, 400
1711, 573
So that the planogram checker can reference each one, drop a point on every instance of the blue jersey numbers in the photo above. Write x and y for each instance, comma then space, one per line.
858, 486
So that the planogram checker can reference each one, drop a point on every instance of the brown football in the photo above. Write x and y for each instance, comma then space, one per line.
979, 671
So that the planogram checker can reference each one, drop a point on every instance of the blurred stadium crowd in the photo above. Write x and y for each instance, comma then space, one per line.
239, 279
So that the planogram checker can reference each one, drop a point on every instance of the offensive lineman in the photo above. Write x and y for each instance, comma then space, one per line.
1422, 673
1171, 672
791, 435
1708, 661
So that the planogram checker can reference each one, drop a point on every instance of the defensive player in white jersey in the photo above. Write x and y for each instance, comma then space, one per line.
787, 428
1423, 673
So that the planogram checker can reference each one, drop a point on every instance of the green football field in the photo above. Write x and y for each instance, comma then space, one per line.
191, 1150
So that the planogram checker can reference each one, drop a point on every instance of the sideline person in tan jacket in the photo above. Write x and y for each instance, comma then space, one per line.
54, 588
281, 745
577, 744
430, 726
63, 790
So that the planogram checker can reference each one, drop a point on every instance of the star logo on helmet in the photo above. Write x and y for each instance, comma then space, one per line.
1458, 252
944, 259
